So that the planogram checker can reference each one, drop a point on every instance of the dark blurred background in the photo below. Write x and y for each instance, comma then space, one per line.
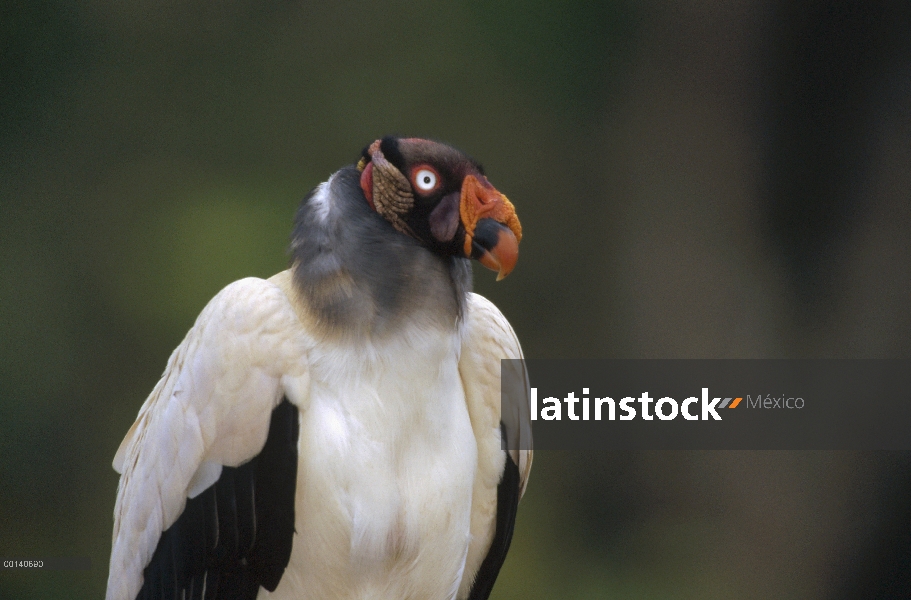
695, 179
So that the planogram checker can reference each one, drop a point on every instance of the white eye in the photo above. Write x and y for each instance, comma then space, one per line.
425, 180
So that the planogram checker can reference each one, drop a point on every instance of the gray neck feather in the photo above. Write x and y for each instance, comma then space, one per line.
358, 276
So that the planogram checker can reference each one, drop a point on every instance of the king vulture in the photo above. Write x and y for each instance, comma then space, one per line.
335, 431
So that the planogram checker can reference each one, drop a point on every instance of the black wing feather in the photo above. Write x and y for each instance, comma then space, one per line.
507, 506
274, 496
236, 535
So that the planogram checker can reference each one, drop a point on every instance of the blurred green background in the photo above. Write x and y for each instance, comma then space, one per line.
695, 179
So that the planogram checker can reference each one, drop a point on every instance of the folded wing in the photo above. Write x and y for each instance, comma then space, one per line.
206, 496
501, 475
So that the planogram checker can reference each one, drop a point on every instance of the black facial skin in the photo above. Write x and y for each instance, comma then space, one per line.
434, 219
444, 219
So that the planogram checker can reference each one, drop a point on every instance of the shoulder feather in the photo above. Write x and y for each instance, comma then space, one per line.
489, 338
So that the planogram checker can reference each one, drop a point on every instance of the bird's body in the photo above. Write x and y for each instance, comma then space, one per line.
332, 432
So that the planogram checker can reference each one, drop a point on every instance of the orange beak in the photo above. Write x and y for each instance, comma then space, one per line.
492, 229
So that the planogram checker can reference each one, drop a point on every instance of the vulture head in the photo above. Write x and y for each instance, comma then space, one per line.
439, 196
388, 240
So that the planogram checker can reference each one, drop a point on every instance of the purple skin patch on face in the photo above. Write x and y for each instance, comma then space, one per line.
444, 220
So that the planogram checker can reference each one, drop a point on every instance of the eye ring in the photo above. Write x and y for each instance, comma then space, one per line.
425, 179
